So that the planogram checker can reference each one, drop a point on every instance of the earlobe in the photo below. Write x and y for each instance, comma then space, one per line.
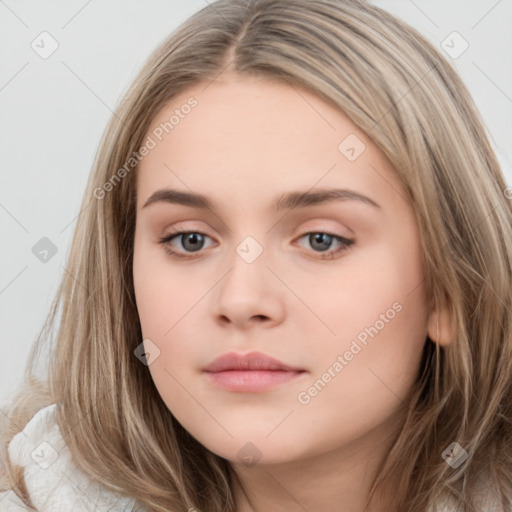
439, 327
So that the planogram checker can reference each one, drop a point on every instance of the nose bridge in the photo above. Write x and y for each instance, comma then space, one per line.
250, 235
248, 267
253, 241
249, 289
250, 249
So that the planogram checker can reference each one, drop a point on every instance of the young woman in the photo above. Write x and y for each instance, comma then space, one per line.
289, 288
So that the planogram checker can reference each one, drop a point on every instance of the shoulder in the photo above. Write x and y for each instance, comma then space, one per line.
53, 482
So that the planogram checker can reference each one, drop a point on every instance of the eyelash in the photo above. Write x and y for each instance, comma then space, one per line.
345, 243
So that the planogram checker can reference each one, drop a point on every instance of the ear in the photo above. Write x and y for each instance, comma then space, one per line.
439, 326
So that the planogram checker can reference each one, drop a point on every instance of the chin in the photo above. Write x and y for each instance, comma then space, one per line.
252, 448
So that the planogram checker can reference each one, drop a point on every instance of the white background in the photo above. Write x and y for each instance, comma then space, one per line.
54, 111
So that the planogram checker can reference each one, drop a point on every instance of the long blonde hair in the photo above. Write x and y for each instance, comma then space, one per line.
396, 87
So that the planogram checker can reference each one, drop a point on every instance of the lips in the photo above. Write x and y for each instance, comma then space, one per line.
253, 361
250, 373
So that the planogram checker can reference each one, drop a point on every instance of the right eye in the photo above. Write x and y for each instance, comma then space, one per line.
190, 240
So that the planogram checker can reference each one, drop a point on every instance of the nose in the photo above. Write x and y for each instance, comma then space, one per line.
249, 294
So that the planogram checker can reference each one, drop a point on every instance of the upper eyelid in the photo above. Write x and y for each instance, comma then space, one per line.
181, 231
178, 228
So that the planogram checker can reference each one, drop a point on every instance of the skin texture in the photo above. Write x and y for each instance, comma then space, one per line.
246, 142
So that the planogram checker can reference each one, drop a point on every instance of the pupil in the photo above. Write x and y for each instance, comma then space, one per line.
319, 237
193, 237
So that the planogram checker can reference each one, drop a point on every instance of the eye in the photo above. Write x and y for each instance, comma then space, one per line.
323, 240
191, 240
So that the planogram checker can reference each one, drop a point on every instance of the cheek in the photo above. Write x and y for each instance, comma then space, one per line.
166, 297
379, 317
376, 311
368, 285
162, 293
164, 302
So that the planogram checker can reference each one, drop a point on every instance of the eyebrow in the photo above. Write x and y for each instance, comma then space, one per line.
289, 200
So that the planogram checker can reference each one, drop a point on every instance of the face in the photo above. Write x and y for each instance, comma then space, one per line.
330, 285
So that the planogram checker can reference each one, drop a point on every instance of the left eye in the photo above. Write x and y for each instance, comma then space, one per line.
321, 239
193, 241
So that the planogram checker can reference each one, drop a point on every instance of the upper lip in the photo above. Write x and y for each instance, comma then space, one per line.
250, 361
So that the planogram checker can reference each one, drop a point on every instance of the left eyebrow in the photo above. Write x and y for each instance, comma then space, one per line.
301, 199
289, 200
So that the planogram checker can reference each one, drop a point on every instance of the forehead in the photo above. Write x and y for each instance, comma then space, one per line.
255, 137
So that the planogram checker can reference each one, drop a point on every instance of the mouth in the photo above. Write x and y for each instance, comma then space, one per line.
252, 372
251, 381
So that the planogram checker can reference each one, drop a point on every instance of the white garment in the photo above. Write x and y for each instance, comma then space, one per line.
53, 481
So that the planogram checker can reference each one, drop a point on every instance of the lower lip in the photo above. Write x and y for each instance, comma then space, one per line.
252, 381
